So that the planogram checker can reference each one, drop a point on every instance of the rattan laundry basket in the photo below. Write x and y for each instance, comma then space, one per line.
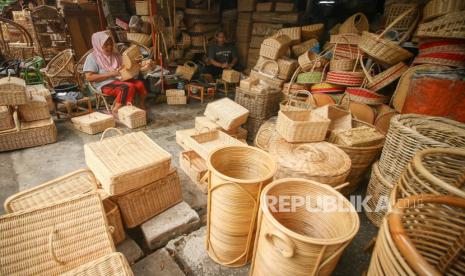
433, 171
322, 162
409, 133
54, 238
301, 242
126, 162
418, 237
236, 177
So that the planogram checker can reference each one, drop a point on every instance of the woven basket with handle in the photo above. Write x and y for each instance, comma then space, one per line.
302, 126
271, 76
356, 24
295, 101
93, 123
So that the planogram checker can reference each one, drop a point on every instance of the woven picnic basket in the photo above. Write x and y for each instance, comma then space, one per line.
321, 161
409, 133
419, 236
362, 136
50, 234
236, 178
433, 171
132, 116
451, 25
275, 47
384, 78
35, 109
139, 205
195, 167
356, 24
226, 113
302, 126
361, 160
207, 142
28, 134
114, 264
385, 51
286, 245
12, 91
93, 123
126, 162
436, 8
312, 31
260, 105
378, 193
6, 118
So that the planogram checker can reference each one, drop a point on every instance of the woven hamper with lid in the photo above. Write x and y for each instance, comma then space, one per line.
126, 162
114, 264
140, 205
12, 91
55, 238
93, 123
132, 116
226, 113
322, 161
6, 118
35, 109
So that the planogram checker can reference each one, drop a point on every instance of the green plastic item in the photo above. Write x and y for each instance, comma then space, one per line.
30, 71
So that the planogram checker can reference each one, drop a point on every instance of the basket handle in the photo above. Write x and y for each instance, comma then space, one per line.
344, 102
184, 156
262, 65
190, 64
51, 249
367, 72
294, 76
393, 23
341, 186
123, 145
289, 250
109, 129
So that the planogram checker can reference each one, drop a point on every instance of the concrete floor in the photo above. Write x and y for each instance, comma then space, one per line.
22, 169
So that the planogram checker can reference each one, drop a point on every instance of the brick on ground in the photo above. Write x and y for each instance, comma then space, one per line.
159, 263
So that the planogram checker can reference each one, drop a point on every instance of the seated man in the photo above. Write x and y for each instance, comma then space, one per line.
220, 56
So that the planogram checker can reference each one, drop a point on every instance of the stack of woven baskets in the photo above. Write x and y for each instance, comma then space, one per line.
25, 119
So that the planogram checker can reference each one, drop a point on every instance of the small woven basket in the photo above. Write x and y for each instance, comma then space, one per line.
132, 116
226, 113
12, 91
356, 24
195, 167
93, 123
302, 126
35, 109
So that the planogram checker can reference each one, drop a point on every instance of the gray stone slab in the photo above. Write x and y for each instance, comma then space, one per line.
177, 220
130, 250
159, 263
191, 254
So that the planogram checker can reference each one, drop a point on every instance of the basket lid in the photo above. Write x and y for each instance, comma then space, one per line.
92, 118
126, 153
318, 159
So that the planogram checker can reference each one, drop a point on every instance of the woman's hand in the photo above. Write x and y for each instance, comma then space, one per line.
115, 73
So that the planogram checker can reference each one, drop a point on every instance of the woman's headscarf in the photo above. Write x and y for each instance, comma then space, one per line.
108, 62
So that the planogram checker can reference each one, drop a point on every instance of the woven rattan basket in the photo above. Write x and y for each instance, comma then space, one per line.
447, 26
436, 8
93, 123
275, 47
433, 171
126, 162
409, 133
207, 142
41, 90
138, 206
6, 118
356, 24
303, 47
295, 101
236, 177
294, 33
260, 105
226, 113
35, 109
378, 191
114, 264
132, 116
49, 236
312, 31
418, 237
286, 244
12, 91
264, 134
29, 134
270, 76
322, 162
385, 78
302, 126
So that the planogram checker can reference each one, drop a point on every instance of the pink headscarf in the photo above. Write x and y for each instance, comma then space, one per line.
108, 62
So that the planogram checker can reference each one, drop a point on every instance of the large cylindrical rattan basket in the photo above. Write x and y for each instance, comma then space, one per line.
306, 241
236, 177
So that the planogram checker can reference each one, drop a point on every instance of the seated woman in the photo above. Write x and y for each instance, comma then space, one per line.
102, 68
220, 56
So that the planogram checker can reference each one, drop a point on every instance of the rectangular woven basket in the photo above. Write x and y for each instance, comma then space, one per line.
363, 136
263, 105
206, 142
35, 109
195, 167
302, 126
41, 90
132, 116
93, 123
30, 134
6, 118
226, 113
12, 91
144, 203
49, 237
126, 162
114, 264
178, 100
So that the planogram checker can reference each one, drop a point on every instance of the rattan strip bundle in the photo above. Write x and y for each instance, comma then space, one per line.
301, 242
438, 171
423, 235
236, 177
409, 133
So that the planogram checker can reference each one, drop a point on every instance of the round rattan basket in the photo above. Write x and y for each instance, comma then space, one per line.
378, 192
